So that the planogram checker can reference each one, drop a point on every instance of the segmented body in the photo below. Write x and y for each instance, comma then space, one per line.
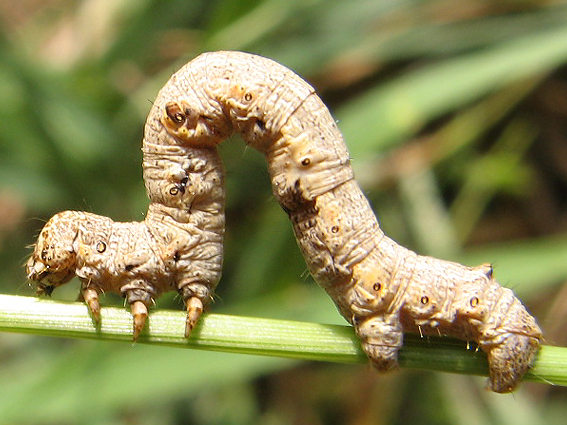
380, 287
178, 246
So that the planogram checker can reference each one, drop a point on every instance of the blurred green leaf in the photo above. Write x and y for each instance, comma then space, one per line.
528, 267
388, 113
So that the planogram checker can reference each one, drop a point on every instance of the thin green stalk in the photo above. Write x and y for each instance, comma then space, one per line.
269, 337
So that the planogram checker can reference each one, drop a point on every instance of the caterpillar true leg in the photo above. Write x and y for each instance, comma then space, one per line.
139, 313
90, 297
194, 308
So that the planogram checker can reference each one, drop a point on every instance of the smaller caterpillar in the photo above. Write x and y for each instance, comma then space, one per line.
380, 287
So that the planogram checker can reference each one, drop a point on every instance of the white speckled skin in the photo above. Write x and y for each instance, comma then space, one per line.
383, 289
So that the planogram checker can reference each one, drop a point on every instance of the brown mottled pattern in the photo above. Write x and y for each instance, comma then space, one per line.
383, 289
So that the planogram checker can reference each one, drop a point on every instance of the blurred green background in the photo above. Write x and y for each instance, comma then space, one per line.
455, 114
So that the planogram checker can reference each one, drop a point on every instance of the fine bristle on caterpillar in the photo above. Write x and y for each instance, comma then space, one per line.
380, 287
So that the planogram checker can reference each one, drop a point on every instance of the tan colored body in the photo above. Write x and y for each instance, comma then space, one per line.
380, 287
178, 246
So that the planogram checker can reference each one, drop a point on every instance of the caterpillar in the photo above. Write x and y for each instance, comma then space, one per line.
380, 287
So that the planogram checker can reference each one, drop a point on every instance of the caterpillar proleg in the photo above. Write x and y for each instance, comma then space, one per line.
380, 287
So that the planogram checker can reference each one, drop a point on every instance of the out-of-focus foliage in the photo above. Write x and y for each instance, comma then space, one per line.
456, 117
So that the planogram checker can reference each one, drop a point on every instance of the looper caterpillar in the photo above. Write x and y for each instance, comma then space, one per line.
380, 287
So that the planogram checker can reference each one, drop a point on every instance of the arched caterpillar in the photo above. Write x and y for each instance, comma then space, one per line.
380, 287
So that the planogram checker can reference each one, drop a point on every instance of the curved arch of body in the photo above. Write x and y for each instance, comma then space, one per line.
380, 287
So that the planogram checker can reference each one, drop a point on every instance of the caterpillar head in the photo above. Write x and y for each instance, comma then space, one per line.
53, 261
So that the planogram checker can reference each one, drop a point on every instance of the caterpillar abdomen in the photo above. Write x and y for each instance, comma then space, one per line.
380, 287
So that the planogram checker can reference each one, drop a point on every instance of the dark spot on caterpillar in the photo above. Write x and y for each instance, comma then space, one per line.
174, 112
294, 203
287, 210
40, 276
179, 187
260, 127
46, 289
306, 224
100, 247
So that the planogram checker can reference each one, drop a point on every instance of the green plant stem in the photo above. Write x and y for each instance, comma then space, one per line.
282, 338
